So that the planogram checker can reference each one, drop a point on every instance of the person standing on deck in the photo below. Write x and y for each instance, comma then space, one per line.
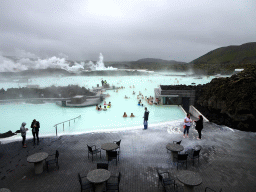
23, 134
199, 126
145, 122
35, 125
187, 124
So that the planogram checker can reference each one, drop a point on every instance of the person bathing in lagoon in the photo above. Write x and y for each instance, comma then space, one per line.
126, 97
138, 97
199, 126
125, 115
104, 109
99, 108
105, 103
187, 123
133, 93
23, 134
109, 104
142, 97
132, 115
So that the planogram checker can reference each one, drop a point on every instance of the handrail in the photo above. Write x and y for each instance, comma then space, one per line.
65, 122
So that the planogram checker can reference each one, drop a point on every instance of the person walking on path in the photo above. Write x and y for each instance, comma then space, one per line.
23, 134
187, 124
199, 126
35, 125
145, 122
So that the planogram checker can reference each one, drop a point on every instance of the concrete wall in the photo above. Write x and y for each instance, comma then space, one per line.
193, 111
182, 93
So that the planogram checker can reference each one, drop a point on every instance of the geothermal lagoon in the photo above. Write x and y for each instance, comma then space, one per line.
49, 114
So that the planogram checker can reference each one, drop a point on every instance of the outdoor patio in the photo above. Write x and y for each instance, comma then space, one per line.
227, 159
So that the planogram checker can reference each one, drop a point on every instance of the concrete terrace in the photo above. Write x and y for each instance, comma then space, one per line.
227, 159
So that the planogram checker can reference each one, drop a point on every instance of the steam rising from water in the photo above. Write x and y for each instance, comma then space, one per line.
16, 65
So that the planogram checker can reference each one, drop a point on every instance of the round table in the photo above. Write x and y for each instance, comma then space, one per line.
5, 190
98, 177
109, 147
174, 148
189, 179
38, 159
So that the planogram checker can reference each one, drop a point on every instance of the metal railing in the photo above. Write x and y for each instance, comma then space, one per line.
65, 122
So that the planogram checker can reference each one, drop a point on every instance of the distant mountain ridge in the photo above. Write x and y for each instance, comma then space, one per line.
245, 53
150, 60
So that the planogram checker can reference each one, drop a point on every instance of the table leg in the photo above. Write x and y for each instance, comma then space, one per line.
99, 187
107, 155
188, 188
39, 167
174, 154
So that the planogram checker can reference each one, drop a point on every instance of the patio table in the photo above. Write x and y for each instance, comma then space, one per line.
109, 147
174, 148
189, 179
38, 159
98, 177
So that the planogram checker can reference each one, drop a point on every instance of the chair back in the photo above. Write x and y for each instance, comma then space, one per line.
57, 154
112, 154
182, 157
119, 177
160, 176
196, 153
89, 148
102, 166
80, 180
118, 143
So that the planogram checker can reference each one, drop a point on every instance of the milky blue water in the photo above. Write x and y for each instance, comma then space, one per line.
49, 114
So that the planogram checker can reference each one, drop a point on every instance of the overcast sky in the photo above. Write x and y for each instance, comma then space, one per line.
124, 30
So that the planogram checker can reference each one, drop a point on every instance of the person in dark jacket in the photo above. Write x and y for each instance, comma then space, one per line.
199, 126
146, 114
35, 125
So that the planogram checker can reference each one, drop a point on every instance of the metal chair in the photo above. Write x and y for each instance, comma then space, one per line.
102, 166
113, 155
182, 158
177, 142
93, 151
195, 154
118, 143
113, 183
209, 189
165, 181
52, 161
85, 184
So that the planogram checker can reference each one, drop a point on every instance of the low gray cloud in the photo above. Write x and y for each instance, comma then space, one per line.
124, 30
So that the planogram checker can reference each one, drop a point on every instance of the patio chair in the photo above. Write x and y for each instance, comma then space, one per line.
102, 166
195, 154
177, 188
165, 181
93, 151
177, 142
53, 160
113, 155
209, 189
113, 183
118, 143
182, 158
85, 184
